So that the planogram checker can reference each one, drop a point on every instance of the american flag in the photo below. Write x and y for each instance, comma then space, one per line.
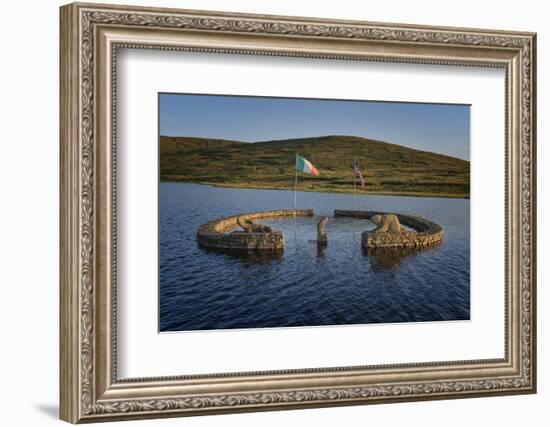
358, 174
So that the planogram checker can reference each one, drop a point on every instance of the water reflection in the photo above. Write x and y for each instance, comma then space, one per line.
247, 257
317, 248
321, 248
389, 259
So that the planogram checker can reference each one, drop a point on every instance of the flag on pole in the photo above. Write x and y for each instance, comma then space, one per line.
358, 174
303, 165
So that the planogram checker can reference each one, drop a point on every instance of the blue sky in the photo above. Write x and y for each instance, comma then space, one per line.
440, 128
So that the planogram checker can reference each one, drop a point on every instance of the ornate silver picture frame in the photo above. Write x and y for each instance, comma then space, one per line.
91, 35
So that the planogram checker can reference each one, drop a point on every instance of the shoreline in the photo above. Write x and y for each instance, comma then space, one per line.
303, 190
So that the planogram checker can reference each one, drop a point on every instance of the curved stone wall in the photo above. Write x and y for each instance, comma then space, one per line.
426, 233
221, 234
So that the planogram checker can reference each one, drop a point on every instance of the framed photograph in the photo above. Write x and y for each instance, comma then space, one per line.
266, 212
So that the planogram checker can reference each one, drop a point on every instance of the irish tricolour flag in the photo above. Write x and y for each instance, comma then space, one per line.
303, 165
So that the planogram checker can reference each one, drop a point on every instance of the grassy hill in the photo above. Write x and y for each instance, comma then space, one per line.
387, 168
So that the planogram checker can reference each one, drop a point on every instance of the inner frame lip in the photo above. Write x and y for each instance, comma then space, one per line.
467, 364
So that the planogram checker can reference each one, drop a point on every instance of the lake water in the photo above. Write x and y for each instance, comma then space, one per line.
307, 285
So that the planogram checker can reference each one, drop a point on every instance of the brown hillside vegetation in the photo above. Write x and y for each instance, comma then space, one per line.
387, 168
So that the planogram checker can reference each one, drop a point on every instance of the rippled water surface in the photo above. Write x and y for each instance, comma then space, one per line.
307, 285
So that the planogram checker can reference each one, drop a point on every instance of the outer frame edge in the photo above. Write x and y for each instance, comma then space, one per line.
70, 405
68, 224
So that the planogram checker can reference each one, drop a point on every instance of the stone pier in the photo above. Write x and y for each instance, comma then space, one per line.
221, 233
424, 233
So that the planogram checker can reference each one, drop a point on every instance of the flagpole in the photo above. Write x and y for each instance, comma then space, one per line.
295, 178
355, 184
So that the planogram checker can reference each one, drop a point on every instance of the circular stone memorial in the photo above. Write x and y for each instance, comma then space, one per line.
395, 230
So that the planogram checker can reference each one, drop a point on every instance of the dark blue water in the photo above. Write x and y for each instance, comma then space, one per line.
307, 285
